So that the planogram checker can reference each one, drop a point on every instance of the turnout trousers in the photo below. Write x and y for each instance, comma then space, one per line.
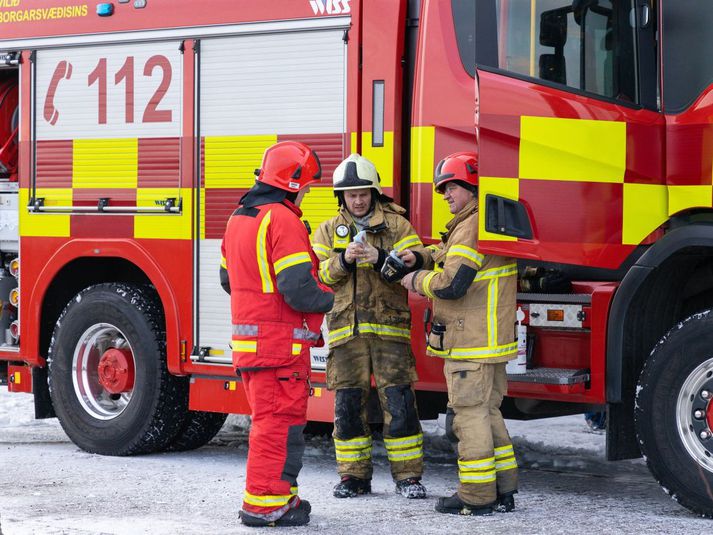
278, 403
349, 370
486, 460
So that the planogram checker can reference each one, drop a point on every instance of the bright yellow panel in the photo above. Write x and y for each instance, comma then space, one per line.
645, 209
353, 142
164, 225
502, 187
423, 143
230, 161
319, 205
105, 163
440, 214
572, 149
683, 197
43, 223
382, 157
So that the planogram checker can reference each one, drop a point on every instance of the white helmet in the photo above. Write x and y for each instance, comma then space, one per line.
356, 172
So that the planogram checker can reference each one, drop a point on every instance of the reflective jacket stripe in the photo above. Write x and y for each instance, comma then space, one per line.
244, 346
371, 328
324, 274
411, 240
467, 253
427, 284
476, 352
267, 285
321, 250
291, 260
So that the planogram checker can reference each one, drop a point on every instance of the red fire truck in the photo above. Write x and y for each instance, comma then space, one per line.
129, 129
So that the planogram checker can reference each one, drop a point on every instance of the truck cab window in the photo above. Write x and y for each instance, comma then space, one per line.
688, 61
587, 45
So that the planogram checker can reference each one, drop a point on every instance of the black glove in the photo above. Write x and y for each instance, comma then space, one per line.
541, 280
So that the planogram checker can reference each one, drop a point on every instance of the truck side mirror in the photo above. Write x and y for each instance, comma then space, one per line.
553, 28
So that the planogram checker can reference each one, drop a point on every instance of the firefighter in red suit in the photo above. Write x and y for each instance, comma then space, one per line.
277, 306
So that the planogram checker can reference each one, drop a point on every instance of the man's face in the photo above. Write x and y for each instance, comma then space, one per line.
358, 201
456, 196
304, 191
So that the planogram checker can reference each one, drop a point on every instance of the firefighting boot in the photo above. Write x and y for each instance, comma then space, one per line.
295, 516
455, 506
411, 488
351, 487
506, 502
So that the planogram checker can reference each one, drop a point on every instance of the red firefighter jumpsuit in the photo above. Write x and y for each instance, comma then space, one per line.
277, 307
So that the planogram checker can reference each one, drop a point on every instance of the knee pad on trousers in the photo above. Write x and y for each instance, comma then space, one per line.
347, 413
401, 404
295, 451
450, 435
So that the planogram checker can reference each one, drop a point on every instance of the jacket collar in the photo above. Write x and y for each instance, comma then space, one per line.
465, 212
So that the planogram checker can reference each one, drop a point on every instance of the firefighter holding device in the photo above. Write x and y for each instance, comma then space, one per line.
474, 303
277, 307
363, 251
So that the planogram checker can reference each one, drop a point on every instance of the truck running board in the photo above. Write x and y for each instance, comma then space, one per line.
550, 376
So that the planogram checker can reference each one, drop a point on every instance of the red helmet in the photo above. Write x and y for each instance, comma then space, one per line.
462, 166
290, 166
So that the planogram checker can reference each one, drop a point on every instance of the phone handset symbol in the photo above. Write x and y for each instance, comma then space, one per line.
63, 71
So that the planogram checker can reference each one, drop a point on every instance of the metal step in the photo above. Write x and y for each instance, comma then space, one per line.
550, 376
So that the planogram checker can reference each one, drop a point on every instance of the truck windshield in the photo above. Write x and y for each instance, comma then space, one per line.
588, 45
687, 52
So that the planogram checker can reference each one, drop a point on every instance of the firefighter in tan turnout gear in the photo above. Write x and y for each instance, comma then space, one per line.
367, 244
472, 329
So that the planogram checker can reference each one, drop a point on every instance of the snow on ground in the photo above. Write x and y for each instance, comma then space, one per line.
49, 486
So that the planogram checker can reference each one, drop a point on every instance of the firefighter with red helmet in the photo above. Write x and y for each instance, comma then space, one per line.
474, 303
277, 307
363, 251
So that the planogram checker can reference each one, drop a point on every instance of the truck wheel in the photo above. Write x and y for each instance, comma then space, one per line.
108, 379
197, 430
674, 413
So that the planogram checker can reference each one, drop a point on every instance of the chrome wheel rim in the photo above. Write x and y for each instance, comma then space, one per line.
92, 396
694, 412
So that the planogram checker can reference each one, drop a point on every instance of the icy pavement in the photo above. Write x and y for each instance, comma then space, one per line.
50, 487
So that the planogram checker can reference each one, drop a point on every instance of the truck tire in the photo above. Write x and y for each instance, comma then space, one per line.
674, 413
197, 430
108, 379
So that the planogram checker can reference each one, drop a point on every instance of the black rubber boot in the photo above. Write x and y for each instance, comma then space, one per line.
506, 502
411, 488
455, 506
351, 487
296, 516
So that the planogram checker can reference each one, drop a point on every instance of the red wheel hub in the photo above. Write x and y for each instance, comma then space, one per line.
116, 370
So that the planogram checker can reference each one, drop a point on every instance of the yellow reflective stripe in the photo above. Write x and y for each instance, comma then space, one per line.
412, 240
291, 260
502, 271
267, 286
353, 443
478, 464
475, 352
296, 349
492, 307
466, 252
244, 346
433, 248
427, 284
223, 262
503, 451
321, 250
376, 328
354, 457
294, 491
505, 465
267, 501
405, 455
339, 334
363, 265
394, 443
324, 274
485, 477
